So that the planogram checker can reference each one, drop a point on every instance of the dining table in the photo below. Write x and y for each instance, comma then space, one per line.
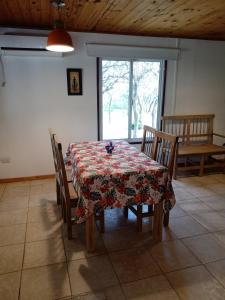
123, 177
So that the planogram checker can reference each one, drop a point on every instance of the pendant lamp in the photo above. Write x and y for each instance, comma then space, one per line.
59, 39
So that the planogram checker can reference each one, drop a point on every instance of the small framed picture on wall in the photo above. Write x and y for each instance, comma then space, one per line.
74, 82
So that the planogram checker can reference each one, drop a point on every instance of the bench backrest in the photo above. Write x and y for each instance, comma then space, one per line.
191, 129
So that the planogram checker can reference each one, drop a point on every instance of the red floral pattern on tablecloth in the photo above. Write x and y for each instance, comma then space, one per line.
124, 177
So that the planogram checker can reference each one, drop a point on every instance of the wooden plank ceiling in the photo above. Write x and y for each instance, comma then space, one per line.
203, 19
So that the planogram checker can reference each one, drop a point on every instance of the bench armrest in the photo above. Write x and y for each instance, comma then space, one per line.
220, 135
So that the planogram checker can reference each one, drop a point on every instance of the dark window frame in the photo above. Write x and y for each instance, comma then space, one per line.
137, 141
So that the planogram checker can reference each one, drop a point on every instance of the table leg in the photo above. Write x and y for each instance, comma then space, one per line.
90, 233
158, 221
201, 173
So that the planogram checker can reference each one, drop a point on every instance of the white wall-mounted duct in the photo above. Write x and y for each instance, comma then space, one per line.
23, 45
128, 51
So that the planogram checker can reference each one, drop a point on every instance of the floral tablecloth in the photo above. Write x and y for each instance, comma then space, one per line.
124, 177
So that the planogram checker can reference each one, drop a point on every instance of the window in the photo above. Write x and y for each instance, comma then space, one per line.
130, 97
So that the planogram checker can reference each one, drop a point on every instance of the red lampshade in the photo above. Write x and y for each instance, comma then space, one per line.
59, 41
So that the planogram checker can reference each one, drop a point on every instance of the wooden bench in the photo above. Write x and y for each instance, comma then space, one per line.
199, 147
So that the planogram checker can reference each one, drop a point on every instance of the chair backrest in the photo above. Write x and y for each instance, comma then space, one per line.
52, 137
62, 171
164, 150
147, 141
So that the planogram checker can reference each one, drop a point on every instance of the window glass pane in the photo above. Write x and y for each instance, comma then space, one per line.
145, 96
115, 99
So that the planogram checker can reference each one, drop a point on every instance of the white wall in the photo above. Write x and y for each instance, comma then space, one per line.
201, 80
35, 97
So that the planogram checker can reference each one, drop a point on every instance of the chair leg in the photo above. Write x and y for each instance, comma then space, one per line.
166, 219
175, 170
68, 220
64, 212
102, 221
158, 222
69, 230
139, 218
63, 207
58, 194
125, 212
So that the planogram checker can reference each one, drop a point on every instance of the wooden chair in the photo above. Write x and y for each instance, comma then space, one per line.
147, 141
68, 194
147, 149
163, 151
68, 172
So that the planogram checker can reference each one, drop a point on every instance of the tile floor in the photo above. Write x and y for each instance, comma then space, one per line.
38, 262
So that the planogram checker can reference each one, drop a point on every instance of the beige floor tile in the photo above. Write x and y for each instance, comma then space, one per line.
196, 283
114, 292
200, 191
218, 188
11, 191
173, 255
43, 231
186, 226
36, 190
216, 202
189, 181
220, 178
43, 253
111, 293
45, 283
9, 286
77, 249
14, 234
2, 188
220, 236
177, 211
222, 212
133, 264
42, 199
154, 288
206, 247
217, 269
182, 194
11, 258
41, 214
126, 238
91, 274
18, 183
13, 203
45, 188
116, 220
212, 221
42, 181
168, 234
90, 296
49, 186
195, 207
207, 179
13, 217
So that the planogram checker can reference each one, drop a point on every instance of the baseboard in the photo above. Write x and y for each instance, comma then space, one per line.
38, 177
